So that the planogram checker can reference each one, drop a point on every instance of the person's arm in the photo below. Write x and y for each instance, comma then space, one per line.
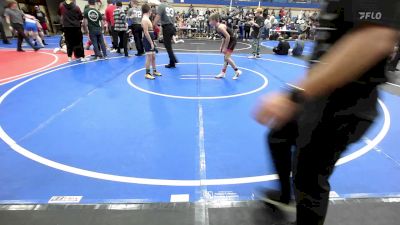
145, 25
30, 17
85, 25
158, 16
8, 21
339, 66
343, 64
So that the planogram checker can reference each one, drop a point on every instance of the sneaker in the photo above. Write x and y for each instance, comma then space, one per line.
149, 76
113, 50
56, 50
274, 197
36, 49
220, 75
106, 58
156, 73
83, 59
258, 56
20, 50
169, 66
69, 59
252, 57
237, 74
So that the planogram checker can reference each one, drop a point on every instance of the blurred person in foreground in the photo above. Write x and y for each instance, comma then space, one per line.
333, 106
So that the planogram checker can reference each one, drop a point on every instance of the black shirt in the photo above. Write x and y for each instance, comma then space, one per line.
40, 16
338, 17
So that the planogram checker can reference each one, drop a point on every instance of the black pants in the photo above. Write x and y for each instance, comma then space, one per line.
123, 42
3, 33
114, 37
74, 41
246, 33
321, 139
281, 143
168, 32
137, 32
21, 36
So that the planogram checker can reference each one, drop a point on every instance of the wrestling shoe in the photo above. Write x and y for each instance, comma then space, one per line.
156, 73
237, 74
220, 75
252, 57
149, 76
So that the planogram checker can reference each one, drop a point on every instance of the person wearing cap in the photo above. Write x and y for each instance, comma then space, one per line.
121, 27
257, 23
15, 20
166, 15
94, 26
135, 16
39, 15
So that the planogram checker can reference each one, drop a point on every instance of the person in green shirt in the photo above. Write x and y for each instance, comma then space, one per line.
94, 26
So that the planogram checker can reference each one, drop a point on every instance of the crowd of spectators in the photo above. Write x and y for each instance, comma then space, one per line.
276, 22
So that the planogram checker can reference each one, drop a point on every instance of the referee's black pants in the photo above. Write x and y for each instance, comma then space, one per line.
322, 137
168, 32
137, 32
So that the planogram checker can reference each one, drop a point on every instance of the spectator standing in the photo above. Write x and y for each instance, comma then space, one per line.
71, 17
94, 26
121, 27
109, 14
135, 15
257, 25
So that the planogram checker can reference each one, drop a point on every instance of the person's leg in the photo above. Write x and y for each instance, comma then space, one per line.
254, 46
114, 36
137, 35
125, 43
21, 35
38, 39
69, 35
79, 50
3, 34
230, 61
322, 139
102, 44
168, 32
93, 38
148, 63
119, 42
280, 143
258, 46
